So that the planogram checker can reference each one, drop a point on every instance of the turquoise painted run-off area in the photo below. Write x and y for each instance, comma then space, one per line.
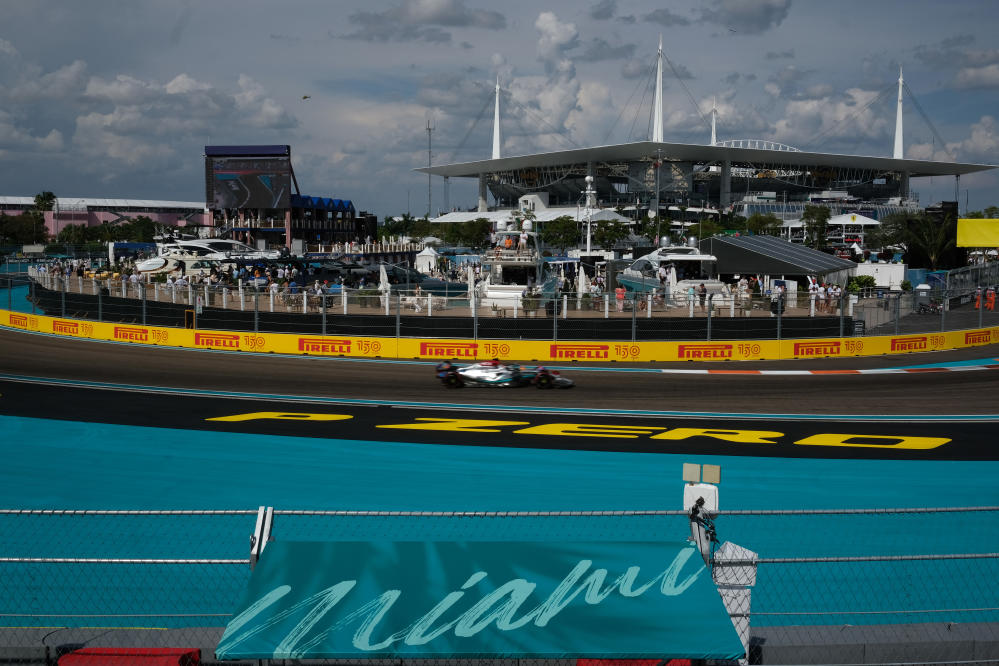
67, 465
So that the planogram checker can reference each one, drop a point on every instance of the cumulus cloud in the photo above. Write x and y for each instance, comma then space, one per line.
746, 16
666, 18
67, 81
599, 49
556, 37
981, 145
978, 77
603, 10
14, 138
260, 110
807, 120
422, 20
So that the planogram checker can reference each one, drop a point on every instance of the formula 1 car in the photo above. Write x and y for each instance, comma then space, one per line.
494, 373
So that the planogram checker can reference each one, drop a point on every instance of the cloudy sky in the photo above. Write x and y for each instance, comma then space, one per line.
117, 98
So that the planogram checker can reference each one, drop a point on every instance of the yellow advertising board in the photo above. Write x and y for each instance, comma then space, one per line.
536, 351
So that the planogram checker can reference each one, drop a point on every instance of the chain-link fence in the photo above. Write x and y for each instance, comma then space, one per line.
830, 587
369, 312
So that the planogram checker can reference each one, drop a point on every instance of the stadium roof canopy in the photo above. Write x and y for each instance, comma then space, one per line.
770, 255
739, 157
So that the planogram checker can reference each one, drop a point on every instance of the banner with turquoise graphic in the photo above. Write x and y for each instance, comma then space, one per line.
437, 599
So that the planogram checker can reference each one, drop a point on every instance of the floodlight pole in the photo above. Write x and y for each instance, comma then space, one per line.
590, 202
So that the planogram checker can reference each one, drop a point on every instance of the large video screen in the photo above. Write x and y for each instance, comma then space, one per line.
248, 182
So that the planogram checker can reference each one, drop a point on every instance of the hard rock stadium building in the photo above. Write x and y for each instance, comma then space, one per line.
740, 176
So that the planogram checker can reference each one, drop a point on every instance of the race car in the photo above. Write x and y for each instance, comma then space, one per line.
495, 373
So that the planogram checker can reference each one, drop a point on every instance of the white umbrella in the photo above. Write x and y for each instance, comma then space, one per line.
582, 283
383, 282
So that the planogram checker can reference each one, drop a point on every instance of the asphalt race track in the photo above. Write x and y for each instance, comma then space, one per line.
111, 425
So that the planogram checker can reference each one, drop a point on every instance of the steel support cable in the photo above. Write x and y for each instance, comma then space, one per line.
821, 135
686, 90
625, 108
537, 115
475, 123
915, 102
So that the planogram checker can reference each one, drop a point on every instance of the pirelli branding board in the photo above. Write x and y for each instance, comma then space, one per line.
911, 343
823, 348
704, 352
578, 352
449, 349
323, 346
217, 340
512, 350
977, 337
66, 327
131, 334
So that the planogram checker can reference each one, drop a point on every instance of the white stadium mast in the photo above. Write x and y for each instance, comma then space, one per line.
657, 104
898, 153
496, 124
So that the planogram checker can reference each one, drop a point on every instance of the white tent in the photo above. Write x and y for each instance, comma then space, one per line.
426, 260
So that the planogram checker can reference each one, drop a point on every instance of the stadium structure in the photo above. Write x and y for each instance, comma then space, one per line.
93, 212
736, 176
253, 194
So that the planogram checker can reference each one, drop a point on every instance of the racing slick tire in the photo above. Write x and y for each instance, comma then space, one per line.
452, 380
544, 381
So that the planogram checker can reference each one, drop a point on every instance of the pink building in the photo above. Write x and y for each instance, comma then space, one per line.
94, 212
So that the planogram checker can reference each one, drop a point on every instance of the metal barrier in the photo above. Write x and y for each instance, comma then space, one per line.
568, 316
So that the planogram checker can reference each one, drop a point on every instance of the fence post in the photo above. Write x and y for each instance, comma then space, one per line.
634, 314
93, 282
811, 305
555, 319
271, 292
305, 302
842, 310
430, 303
256, 309
62, 298
780, 314
898, 310
606, 306
143, 287
324, 314
710, 308
225, 297
944, 304
388, 299
516, 302
242, 304
190, 294
475, 315
31, 289
648, 306
343, 295
100, 304
981, 308
398, 315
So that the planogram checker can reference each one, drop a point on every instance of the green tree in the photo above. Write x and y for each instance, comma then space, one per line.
44, 201
140, 230
475, 233
17, 229
707, 228
562, 232
816, 219
931, 237
992, 212
609, 233
72, 234
763, 224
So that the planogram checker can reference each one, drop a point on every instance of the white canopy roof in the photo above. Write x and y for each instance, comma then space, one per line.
543, 215
427, 252
854, 219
